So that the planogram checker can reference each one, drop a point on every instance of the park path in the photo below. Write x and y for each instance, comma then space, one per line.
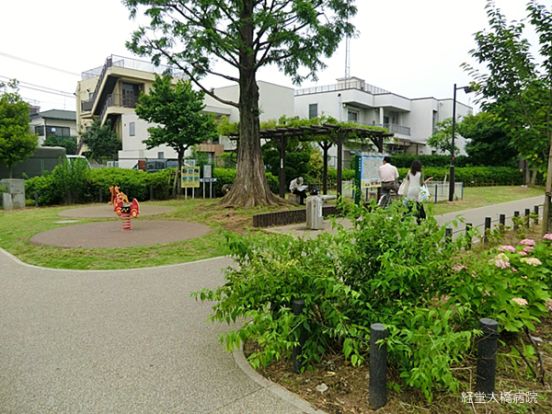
127, 341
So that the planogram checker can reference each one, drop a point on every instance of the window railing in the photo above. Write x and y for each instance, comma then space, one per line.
115, 99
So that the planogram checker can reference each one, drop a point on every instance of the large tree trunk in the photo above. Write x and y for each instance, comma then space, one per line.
250, 187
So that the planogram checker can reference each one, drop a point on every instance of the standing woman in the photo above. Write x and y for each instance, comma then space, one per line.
415, 181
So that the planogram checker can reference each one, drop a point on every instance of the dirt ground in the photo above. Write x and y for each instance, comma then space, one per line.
111, 235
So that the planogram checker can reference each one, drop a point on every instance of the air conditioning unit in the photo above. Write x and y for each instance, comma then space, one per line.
113, 164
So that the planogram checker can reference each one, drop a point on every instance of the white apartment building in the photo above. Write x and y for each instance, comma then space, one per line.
110, 92
54, 122
412, 121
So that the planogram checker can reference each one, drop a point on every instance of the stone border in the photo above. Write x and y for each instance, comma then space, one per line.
276, 389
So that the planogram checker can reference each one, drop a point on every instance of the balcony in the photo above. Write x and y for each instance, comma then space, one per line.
397, 129
116, 100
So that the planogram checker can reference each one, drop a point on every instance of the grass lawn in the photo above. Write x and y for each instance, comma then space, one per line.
483, 196
17, 228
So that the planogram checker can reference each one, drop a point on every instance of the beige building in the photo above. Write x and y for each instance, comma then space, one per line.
110, 92
54, 122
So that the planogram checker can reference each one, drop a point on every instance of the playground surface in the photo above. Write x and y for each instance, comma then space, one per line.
109, 234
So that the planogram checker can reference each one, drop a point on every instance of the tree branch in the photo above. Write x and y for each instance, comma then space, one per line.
192, 77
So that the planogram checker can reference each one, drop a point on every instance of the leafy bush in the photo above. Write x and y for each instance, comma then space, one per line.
405, 160
475, 176
226, 176
386, 269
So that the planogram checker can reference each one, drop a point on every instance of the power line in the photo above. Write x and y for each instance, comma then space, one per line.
41, 88
31, 62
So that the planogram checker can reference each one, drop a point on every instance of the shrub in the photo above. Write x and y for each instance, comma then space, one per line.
226, 176
405, 160
475, 176
386, 269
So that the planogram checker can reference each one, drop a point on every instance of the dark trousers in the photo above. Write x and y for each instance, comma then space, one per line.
302, 195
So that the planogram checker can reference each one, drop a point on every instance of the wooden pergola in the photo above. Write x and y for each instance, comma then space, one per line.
333, 134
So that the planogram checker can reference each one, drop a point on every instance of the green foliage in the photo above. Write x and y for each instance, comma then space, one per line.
442, 138
226, 176
69, 143
16, 142
388, 269
298, 156
475, 176
514, 85
102, 142
489, 142
434, 160
69, 178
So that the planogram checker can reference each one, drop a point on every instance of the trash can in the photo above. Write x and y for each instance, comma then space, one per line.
315, 221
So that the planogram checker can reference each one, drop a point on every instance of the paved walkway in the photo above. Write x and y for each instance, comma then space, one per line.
129, 341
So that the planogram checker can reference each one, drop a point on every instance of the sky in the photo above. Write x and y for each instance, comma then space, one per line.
411, 47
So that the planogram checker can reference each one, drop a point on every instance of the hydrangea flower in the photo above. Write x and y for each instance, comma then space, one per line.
547, 236
520, 301
532, 261
522, 253
527, 242
507, 248
502, 261
528, 249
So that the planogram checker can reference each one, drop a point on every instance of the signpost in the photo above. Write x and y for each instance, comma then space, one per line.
367, 176
190, 177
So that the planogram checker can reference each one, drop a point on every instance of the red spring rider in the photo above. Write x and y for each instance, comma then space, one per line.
127, 211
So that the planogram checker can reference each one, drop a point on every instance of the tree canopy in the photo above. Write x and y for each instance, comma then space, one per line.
16, 141
442, 137
243, 35
178, 112
69, 143
489, 143
102, 142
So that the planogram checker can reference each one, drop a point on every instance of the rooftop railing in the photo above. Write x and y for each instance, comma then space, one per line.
135, 64
341, 86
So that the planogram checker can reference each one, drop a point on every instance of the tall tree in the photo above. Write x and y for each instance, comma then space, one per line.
16, 141
245, 35
488, 141
102, 142
515, 86
178, 111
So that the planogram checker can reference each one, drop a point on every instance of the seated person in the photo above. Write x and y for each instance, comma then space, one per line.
297, 187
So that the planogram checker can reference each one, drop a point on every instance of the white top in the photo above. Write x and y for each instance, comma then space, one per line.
297, 184
414, 185
388, 172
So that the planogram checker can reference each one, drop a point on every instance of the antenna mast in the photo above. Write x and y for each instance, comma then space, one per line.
347, 52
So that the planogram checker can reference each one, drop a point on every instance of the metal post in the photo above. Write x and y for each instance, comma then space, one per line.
515, 220
436, 189
282, 143
469, 227
487, 230
527, 217
339, 165
536, 213
448, 235
452, 156
297, 307
377, 390
486, 356
502, 222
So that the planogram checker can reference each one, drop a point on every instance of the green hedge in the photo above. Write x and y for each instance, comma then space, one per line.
475, 176
94, 184
405, 160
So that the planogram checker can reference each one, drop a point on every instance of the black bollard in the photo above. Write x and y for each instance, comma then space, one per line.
516, 220
502, 222
527, 217
448, 235
487, 230
100, 194
468, 236
536, 213
486, 356
297, 307
378, 367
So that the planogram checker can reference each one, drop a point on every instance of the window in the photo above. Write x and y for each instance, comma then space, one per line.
57, 131
39, 130
352, 116
131, 129
160, 155
313, 111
